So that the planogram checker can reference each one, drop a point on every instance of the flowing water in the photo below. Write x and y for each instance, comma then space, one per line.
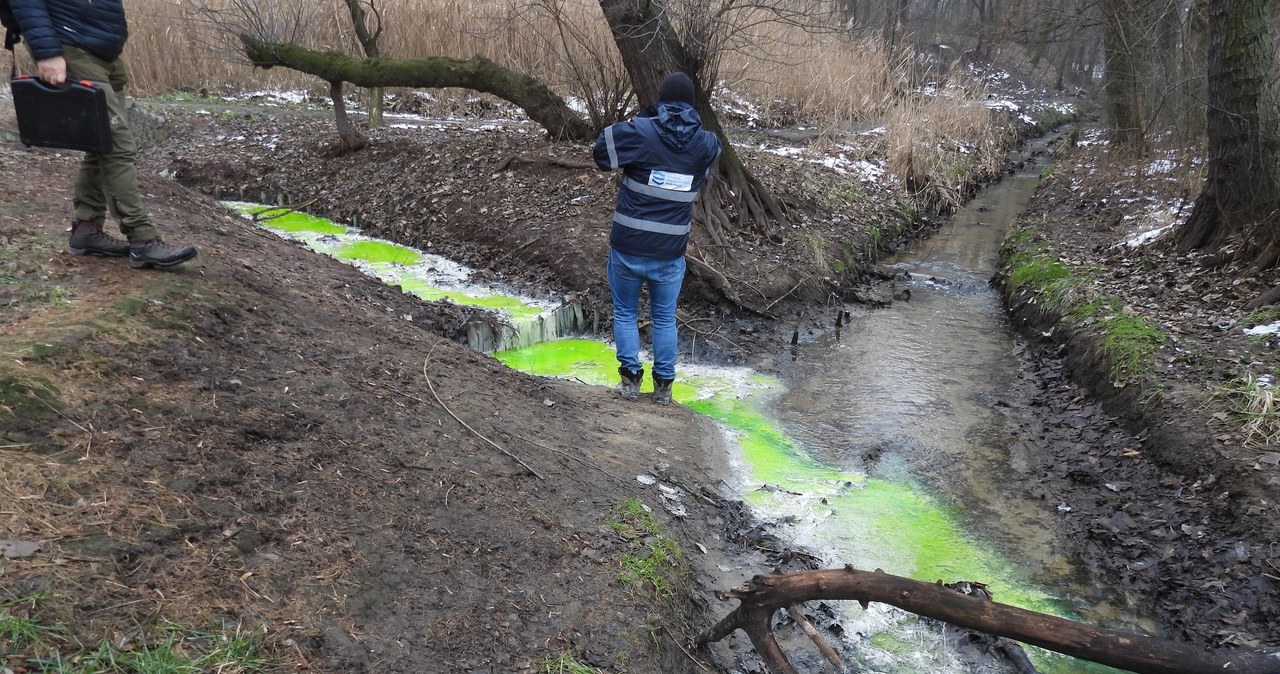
879, 444
905, 405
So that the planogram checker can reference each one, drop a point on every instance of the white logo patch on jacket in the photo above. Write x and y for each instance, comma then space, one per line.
668, 180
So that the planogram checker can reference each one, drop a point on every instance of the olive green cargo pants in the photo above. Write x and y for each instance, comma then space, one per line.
110, 181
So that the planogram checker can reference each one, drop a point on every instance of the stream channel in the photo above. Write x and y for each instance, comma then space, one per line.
881, 444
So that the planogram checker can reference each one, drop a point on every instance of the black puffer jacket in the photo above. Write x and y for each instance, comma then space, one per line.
96, 26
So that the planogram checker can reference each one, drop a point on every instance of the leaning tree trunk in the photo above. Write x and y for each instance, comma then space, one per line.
349, 137
369, 43
1239, 193
651, 50
765, 594
541, 104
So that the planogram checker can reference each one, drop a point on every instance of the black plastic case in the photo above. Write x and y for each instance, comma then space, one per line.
71, 117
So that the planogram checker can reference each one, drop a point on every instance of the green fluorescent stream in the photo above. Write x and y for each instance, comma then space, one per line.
864, 521
392, 263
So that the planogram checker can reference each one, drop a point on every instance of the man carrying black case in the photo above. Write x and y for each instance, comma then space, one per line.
76, 40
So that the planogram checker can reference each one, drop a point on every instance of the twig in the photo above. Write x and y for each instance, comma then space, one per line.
684, 650
784, 295
517, 250
744, 282
478, 434
707, 335
284, 210
553, 161
579, 459
73, 423
827, 651
401, 465
118, 606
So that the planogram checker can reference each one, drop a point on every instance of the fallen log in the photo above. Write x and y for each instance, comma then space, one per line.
767, 593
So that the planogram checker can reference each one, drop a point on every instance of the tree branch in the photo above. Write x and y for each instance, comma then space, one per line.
477, 73
767, 593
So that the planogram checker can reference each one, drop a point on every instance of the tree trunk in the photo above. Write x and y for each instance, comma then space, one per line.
1194, 57
480, 74
369, 43
349, 137
765, 594
1120, 74
651, 50
1239, 195
376, 99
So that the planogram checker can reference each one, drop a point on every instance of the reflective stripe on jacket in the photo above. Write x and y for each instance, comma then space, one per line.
666, 157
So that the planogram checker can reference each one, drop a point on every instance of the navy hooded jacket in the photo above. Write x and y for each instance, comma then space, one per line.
96, 26
665, 155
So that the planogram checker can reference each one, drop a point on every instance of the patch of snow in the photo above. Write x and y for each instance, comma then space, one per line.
1094, 137
576, 104
277, 96
1003, 104
1144, 238
1268, 329
839, 162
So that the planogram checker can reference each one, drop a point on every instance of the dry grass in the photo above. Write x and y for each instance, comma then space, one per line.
818, 78
940, 144
814, 78
1254, 402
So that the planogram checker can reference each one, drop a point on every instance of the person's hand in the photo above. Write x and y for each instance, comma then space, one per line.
52, 70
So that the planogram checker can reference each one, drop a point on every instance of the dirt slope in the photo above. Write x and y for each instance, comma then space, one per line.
265, 436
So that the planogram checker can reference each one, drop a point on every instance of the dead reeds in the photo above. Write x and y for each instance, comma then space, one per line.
796, 75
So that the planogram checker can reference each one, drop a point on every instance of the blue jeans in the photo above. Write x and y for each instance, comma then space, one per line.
627, 276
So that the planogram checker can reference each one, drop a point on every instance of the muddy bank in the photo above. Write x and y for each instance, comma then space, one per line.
1170, 496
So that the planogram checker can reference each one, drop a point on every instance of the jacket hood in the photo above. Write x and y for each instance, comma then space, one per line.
677, 124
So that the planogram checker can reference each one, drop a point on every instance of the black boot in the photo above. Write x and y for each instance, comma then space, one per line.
157, 253
662, 390
87, 238
629, 387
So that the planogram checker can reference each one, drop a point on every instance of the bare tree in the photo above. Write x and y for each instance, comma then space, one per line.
583, 51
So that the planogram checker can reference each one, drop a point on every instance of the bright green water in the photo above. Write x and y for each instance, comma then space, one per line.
868, 522
508, 305
397, 265
283, 220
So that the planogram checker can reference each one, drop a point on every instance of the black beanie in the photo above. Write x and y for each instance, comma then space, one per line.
677, 87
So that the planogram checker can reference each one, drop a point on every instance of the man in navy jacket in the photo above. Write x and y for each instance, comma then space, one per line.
75, 40
666, 157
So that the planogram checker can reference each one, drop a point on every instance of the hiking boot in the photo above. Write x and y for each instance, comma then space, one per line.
629, 387
87, 238
662, 390
157, 253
